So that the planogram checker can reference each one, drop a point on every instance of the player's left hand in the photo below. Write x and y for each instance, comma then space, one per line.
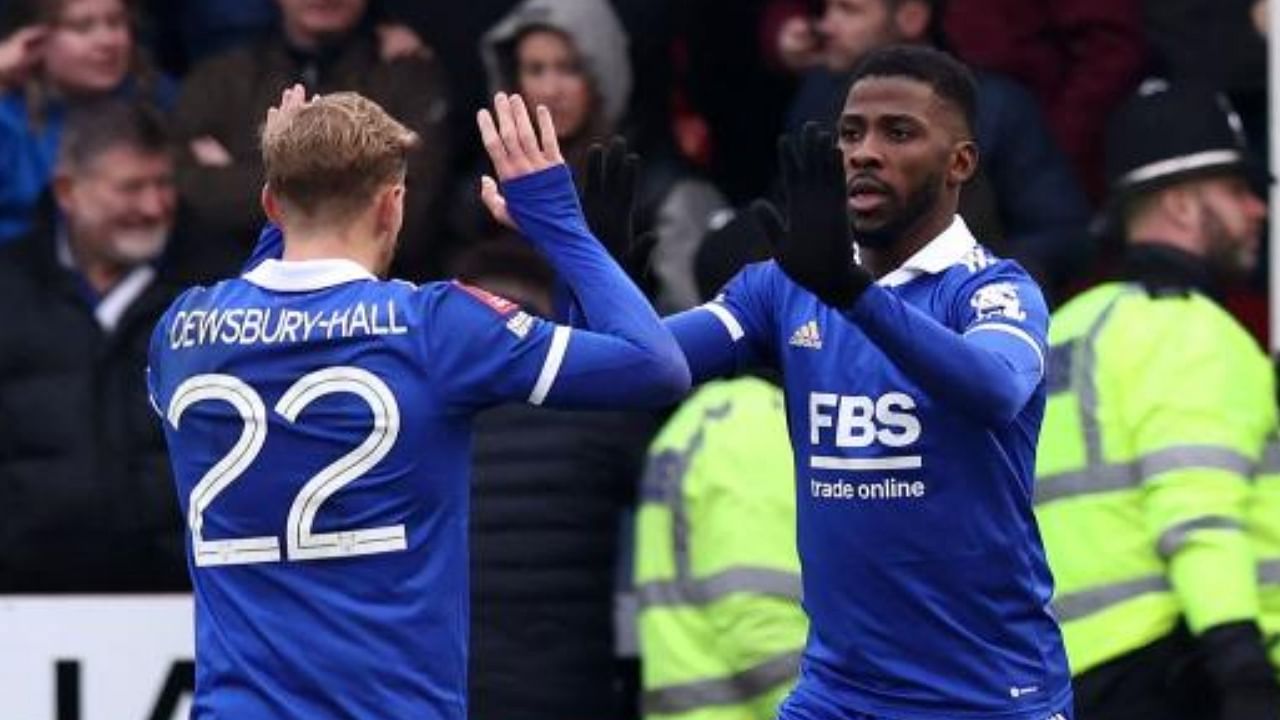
815, 247
514, 148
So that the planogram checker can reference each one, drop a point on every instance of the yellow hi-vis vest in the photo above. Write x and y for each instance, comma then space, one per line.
1264, 528
717, 577
1158, 410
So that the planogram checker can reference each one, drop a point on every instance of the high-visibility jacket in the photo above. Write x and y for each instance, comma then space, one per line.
1159, 408
1264, 527
717, 578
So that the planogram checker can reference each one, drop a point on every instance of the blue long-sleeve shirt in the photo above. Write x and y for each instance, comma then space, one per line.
319, 426
913, 418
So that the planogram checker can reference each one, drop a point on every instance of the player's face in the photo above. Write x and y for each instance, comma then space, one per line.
903, 147
90, 46
121, 207
549, 72
852, 28
1231, 218
318, 19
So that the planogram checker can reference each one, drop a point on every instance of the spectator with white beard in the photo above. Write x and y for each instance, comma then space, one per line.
84, 479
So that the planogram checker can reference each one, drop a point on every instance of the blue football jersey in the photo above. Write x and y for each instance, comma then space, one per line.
319, 426
924, 576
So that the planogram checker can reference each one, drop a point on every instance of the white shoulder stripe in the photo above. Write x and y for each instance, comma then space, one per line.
730, 322
550, 367
1016, 332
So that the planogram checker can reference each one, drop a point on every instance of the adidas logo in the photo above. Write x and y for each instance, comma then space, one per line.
806, 336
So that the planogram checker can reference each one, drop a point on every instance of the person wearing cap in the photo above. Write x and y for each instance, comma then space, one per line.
1160, 404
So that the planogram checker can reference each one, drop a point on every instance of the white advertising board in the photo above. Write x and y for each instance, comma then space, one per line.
95, 657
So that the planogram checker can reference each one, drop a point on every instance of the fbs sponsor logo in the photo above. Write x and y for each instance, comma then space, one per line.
807, 336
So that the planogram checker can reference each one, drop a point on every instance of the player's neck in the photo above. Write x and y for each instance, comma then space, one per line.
882, 261
353, 245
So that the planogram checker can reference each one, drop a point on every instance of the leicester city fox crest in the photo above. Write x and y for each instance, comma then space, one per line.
998, 300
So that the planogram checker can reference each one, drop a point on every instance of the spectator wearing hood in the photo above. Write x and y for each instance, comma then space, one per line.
572, 57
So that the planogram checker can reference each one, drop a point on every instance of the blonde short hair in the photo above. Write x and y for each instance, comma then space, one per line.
334, 154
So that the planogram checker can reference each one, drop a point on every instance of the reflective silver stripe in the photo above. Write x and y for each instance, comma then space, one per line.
1270, 457
1110, 477
1206, 457
664, 483
1103, 478
1076, 605
1269, 572
1085, 380
1174, 538
737, 688
697, 592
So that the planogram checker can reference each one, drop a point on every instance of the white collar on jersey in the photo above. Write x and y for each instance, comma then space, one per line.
303, 275
936, 256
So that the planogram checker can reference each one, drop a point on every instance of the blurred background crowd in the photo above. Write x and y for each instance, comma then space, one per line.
129, 168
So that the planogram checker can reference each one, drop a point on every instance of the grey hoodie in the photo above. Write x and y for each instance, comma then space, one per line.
595, 31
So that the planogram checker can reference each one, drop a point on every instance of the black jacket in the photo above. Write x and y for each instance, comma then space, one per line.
549, 490
87, 497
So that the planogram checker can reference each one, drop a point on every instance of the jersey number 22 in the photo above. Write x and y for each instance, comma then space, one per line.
301, 541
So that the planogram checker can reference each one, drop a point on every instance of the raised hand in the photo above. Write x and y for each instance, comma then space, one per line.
514, 147
609, 198
20, 54
815, 247
291, 100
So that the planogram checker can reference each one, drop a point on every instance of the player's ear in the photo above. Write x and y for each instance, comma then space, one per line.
390, 207
964, 163
270, 205
63, 191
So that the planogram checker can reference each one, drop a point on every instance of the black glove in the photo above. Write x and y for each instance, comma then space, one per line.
609, 200
1235, 658
816, 249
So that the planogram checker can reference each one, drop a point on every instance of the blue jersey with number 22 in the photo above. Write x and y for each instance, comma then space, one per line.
318, 422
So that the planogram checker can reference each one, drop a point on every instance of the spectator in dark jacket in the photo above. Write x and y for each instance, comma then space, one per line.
327, 47
84, 478
1024, 202
56, 55
1079, 57
549, 490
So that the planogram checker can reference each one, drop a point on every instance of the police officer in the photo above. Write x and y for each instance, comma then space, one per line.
717, 578
1160, 406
